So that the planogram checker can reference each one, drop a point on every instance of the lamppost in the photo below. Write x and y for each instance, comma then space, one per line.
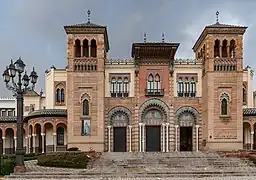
19, 84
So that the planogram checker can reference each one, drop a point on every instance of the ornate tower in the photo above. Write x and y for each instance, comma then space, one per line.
87, 49
220, 47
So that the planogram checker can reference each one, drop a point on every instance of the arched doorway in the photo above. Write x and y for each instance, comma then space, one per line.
61, 131
186, 133
153, 119
119, 119
48, 140
247, 135
38, 139
9, 141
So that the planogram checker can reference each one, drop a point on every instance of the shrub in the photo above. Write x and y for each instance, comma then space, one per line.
73, 149
27, 157
64, 159
7, 167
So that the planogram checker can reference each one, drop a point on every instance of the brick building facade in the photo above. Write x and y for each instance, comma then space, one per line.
152, 102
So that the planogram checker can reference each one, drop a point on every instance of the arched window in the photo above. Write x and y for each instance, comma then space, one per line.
180, 88
85, 48
232, 48
157, 83
186, 89
93, 48
86, 107
60, 136
217, 48
77, 48
193, 87
224, 48
126, 87
150, 83
62, 92
119, 87
244, 95
58, 95
224, 106
113, 87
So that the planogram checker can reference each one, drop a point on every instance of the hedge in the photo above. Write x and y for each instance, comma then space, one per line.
7, 167
64, 159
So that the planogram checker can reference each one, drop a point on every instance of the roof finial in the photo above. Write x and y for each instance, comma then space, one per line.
89, 16
217, 17
162, 37
145, 37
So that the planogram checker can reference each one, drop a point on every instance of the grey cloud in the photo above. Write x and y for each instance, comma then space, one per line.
34, 29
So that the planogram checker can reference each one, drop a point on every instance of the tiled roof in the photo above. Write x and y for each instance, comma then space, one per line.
48, 112
8, 118
219, 25
249, 111
88, 24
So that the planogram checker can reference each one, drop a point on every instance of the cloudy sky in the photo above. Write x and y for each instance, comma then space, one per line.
33, 29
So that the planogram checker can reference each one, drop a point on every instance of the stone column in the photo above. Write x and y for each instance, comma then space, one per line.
163, 137
167, 136
143, 137
82, 50
15, 143
3, 138
26, 144
176, 137
89, 48
252, 134
54, 142
140, 138
197, 136
109, 138
34, 143
220, 50
43, 135
29, 143
130, 138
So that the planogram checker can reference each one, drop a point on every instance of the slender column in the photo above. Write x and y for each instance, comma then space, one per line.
89, 49
29, 143
143, 137
140, 138
109, 138
252, 134
54, 142
220, 50
197, 140
176, 137
3, 138
163, 136
130, 136
228, 49
15, 143
82, 48
43, 135
34, 143
26, 144
167, 136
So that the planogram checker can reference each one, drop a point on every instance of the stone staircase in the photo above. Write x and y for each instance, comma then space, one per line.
174, 165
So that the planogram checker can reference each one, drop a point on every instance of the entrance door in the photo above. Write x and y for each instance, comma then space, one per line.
186, 140
153, 138
119, 139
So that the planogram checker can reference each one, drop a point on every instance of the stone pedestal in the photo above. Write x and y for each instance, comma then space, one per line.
19, 169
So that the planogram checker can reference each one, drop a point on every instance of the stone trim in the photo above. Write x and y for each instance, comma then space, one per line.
117, 110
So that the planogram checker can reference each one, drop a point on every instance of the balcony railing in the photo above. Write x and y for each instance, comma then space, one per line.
186, 94
154, 92
119, 94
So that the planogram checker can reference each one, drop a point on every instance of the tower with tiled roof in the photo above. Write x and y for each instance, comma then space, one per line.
87, 50
220, 46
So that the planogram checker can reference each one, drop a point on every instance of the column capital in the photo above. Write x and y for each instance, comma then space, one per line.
140, 124
176, 125
3, 137
33, 135
29, 136
167, 124
252, 133
14, 137
54, 134
109, 127
143, 124
197, 126
26, 137
130, 126
163, 124
42, 134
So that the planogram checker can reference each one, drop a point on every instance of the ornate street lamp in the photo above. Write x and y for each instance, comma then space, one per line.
19, 85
